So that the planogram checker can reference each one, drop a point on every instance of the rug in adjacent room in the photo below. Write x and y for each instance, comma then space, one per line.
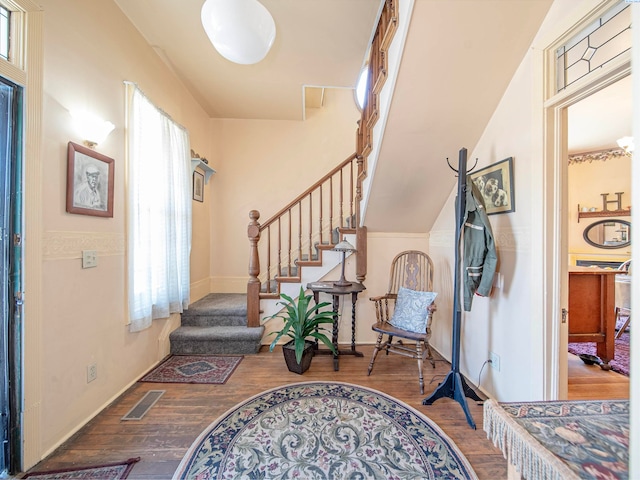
323, 430
194, 369
620, 362
109, 471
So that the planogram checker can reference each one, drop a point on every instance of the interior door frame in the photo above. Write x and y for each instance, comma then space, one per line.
556, 208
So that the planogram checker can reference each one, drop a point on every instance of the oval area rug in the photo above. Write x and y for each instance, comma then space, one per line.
323, 430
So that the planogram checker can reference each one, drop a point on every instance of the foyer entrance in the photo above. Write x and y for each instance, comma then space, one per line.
10, 273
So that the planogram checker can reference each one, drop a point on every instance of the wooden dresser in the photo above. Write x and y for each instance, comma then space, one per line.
592, 309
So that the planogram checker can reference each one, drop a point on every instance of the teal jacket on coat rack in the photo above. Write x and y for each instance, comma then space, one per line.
479, 257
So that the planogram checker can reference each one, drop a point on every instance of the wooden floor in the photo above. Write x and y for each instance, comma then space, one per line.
162, 437
589, 382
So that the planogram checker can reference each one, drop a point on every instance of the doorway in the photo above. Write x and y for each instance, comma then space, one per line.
599, 181
10, 274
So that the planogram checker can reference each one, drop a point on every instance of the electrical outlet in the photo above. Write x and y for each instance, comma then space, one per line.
92, 372
89, 258
494, 361
498, 280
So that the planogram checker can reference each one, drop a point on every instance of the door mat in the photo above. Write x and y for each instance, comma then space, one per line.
214, 369
108, 471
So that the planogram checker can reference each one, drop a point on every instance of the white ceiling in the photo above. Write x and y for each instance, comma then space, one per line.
458, 60
596, 122
318, 43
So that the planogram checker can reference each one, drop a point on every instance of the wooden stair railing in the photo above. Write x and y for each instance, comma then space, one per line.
297, 235
324, 218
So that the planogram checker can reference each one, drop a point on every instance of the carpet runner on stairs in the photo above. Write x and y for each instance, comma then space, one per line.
216, 324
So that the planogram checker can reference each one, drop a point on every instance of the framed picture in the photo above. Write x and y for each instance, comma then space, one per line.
495, 182
89, 182
198, 186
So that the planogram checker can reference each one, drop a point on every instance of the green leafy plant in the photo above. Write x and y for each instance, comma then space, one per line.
301, 321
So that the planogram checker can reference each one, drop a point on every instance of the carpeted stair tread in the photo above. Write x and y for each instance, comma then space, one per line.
217, 309
216, 324
219, 303
216, 340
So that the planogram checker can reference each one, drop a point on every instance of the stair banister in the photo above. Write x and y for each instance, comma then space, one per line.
378, 73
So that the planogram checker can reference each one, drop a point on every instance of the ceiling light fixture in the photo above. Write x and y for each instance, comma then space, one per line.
242, 31
626, 143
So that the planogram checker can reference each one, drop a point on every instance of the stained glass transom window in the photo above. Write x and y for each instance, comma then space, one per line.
603, 40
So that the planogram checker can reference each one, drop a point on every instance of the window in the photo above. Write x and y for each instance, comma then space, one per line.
603, 40
159, 212
362, 87
4, 32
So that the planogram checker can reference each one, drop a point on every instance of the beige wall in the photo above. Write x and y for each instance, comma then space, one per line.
510, 322
85, 310
90, 49
587, 180
291, 154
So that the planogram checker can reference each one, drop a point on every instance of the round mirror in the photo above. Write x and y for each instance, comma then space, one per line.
608, 234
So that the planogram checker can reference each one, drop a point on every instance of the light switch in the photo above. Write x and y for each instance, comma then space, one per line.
89, 258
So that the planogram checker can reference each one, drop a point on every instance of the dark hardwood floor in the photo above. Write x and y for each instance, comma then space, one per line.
162, 437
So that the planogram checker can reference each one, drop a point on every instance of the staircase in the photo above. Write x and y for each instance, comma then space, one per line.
216, 325
294, 246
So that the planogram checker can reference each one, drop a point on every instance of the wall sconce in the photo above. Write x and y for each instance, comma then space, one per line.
91, 129
626, 143
343, 247
242, 31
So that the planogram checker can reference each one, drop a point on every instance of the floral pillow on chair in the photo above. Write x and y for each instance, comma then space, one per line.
411, 312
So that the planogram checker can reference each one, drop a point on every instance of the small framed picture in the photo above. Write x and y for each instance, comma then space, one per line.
495, 183
198, 186
89, 182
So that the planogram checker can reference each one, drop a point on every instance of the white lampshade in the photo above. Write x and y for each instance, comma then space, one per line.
242, 31
92, 129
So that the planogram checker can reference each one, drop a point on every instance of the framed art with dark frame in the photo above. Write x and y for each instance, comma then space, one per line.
198, 186
495, 182
90, 178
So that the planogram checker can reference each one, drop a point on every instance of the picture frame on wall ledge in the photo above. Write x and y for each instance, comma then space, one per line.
198, 186
495, 183
90, 179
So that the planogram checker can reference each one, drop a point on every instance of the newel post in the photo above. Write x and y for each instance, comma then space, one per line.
361, 232
253, 286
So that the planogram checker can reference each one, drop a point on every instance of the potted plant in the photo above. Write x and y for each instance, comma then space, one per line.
301, 322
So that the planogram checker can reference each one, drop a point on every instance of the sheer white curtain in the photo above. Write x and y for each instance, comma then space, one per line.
159, 212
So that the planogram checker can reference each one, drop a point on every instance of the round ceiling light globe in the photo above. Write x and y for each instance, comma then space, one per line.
242, 31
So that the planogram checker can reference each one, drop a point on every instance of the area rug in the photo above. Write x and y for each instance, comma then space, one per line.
193, 369
109, 471
323, 430
562, 440
620, 362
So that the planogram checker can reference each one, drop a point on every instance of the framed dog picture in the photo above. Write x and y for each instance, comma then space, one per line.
495, 182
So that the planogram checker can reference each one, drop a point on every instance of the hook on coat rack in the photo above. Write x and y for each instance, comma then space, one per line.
469, 170
451, 166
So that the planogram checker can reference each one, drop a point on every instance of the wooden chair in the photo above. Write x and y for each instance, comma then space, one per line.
411, 269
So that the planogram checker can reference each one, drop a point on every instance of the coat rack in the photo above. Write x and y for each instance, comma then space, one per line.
454, 385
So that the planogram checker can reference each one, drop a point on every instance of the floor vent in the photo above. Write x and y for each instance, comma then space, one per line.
141, 408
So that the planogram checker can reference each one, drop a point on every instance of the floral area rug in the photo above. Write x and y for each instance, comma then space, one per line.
562, 440
111, 471
620, 362
193, 369
323, 430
